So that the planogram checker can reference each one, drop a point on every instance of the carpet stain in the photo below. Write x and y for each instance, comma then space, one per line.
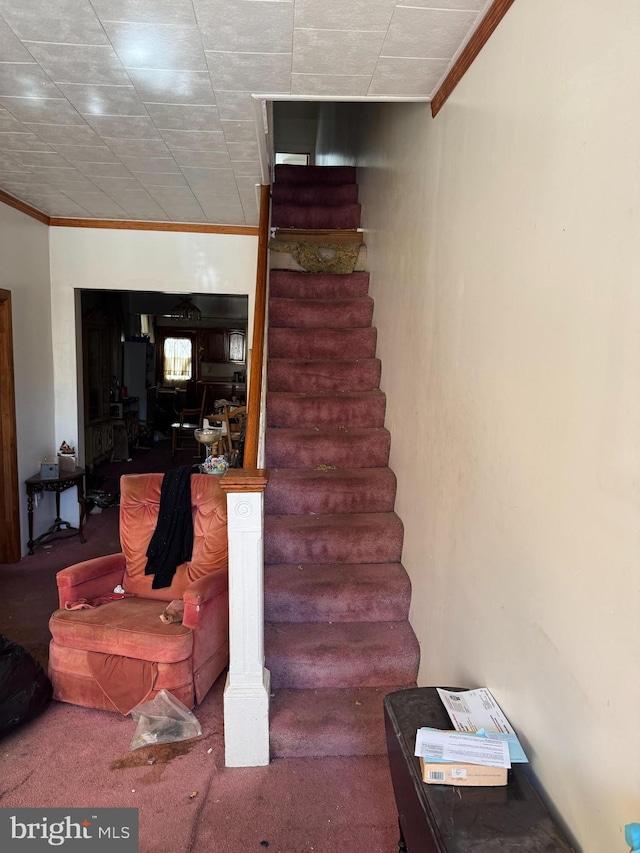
156, 756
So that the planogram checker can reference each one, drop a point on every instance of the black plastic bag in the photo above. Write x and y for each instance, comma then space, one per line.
25, 690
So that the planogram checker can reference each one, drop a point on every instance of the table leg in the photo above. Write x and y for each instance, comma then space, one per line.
83, 508
402, 845
30, 543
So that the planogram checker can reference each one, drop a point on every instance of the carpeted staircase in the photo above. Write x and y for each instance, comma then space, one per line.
337, 636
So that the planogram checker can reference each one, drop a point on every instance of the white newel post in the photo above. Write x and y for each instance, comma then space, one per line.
246, 693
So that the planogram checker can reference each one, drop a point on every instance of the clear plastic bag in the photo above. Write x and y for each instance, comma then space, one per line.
163, 719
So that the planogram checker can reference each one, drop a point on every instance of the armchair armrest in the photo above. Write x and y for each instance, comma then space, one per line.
91, 578
201, 591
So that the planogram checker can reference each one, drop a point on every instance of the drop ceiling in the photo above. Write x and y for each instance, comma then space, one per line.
143, 109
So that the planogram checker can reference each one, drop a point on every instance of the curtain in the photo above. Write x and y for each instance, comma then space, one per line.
177, 360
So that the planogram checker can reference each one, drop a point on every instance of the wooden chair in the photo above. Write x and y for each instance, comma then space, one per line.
189, 419
233, 424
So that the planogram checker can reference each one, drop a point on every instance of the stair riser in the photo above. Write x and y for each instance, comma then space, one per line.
307, 593
297, 216
292, 375
320, 314
333, 344
368, 671
294, 449
328, 493
293, 285
330, 412
328, 175
315, 194
379, 541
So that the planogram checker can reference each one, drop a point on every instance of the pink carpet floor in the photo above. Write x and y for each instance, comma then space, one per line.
187, 799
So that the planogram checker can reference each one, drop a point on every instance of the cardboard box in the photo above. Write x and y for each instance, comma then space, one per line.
454, 773
49, 468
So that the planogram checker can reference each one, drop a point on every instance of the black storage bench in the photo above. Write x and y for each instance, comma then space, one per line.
450, 819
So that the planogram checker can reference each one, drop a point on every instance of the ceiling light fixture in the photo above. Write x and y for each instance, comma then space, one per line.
186, 310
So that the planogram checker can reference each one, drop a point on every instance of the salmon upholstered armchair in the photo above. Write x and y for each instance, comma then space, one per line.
116, 654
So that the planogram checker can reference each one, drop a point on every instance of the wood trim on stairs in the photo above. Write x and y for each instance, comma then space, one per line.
257, 346
496, 13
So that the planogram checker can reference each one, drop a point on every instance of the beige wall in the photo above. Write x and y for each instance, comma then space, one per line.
503, 241
102, 259
24, 270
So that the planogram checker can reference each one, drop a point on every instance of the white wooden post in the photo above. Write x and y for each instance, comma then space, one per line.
246, 693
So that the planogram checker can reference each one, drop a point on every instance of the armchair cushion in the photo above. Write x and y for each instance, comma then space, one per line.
131, 627
139, 504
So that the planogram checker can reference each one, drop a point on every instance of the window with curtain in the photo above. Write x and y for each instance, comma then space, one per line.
178, 361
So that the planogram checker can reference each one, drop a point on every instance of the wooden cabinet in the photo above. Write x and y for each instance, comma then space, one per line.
222, 345
98, 442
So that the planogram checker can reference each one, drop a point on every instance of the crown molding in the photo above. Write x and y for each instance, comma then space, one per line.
23, 207
495, 14
131, 225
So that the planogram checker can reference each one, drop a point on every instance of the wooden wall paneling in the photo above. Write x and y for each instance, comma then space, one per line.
10, 551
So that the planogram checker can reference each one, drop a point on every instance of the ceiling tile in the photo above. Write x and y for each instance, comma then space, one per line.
397, 76
160, 179
138, 147
87, 153
427, 33
48, 110
202, 177
181, 116
245, 25
26, 81
60, 21
247, 167
173, 87
146, 11
79, 63
65, 174
103, 170
330, 84
338, 15
139, 204
69, 134
74, 186
239, 131
246, 182
332, 52
249, 200
11, 48
103, 99
477, 5
254, 72
68, 208
108, 184
151, 164
195, 140
243, 150
161, 46
179, 203
128, 127
9, 122
40, 158
202, 159
9, 161
98, 204
11, 141
235, 106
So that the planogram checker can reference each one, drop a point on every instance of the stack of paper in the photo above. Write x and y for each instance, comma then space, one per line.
481, 749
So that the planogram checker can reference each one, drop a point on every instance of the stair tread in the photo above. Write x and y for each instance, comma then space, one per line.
285, 284
336, 592
330, 343
340, 654
342, 721
299, 491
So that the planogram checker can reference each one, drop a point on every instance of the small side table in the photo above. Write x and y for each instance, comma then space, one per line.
64, 481
450, 819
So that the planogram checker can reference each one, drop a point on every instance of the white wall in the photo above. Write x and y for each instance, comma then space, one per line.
503, 241
24, 270
103, 259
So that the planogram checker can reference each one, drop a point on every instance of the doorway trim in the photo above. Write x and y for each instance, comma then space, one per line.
10, 551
